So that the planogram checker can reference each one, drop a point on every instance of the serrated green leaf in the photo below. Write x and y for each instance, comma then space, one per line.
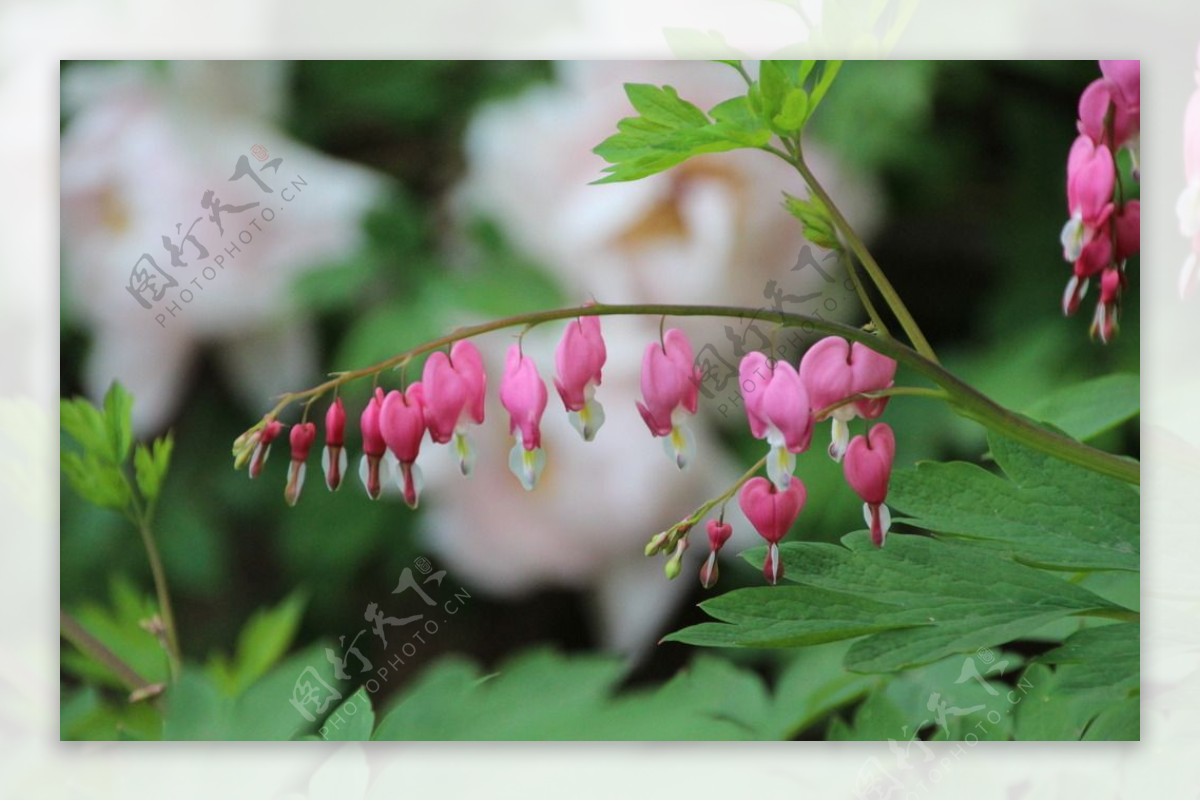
97, 480
1047, 512
793, 113
1092, 407
789, 92
150, 466
118, 418
263, 640
918, 599
85, 424
671, 130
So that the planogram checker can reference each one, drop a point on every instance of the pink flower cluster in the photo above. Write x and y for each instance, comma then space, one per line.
835, 379
1103, 231
783, 404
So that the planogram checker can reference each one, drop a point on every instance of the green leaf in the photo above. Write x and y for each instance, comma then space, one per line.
85, 424
262, 642
150, 465
97, 480
118, 626
788, 92
815, 219
671, 130
1121, 721
918, 600
1047, 512
542, 695
353, 720
1106, 658
197, 709
118, 417
1092, 407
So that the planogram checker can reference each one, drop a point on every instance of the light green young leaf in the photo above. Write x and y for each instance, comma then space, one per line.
671, 130
150, 465
1092, 407
918, 599
815, 219
1046, 512
788, 92
97, 480
118, 417
86, 425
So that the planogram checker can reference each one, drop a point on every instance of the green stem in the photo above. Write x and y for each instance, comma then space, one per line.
911, 329
920, 392
73, 632
865, 299
161, 591
964, 399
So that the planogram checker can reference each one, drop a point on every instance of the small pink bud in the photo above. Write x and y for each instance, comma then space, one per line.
374, 447
770, 511
333, 457
709, 572
868, 469
263, 447
718, 534
302, 437
402, 423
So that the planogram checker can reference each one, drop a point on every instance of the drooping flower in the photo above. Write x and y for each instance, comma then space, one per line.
772, 514
868, 469
719, 533
523, 395
302, 437
454, 389
778, 409
402, 424
262, 447
373, 469
333, 455
670, 382
1110, 107
1187, 207
578, 361
1091, 178
833, 370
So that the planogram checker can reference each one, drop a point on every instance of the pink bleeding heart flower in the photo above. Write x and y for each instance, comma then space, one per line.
833, 370
578, 361
772, 514
333, 455
373, 469
1104, 321
302, 437
454, 390
523, 394
868, 470
719, 533
1091, 179
402, 424
670, 387
262, 446
778, 409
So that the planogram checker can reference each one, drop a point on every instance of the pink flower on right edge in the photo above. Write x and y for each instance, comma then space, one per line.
1103, 229
868, 470
1188, 206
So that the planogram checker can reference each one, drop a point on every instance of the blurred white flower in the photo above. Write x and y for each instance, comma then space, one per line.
709, 231
142, 148
1187, 208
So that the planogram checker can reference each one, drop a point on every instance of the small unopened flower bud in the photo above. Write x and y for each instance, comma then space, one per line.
657, 542
675, 564
302, 437
709, 572
333, 456
262, 448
